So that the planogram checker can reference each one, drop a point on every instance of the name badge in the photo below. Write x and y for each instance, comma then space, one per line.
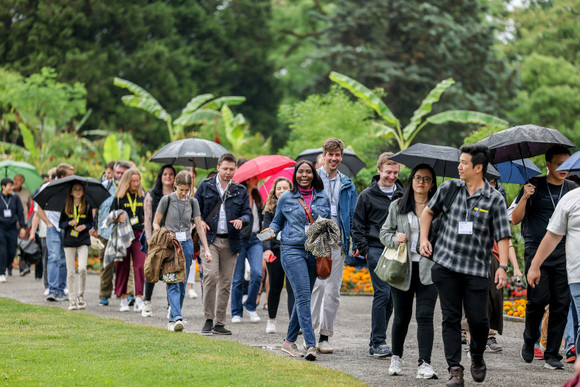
306, 227
8, 213
74, 233
333, 209
134, 220
465, 228
414, 246
181, 236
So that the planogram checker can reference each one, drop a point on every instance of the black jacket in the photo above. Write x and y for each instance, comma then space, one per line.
237, 206
370, 213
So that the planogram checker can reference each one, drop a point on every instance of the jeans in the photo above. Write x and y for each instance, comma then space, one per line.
300, 268
252, 250
457, 289
575, 300
8, 239
56, 263
176, 291
382, 308
571, 325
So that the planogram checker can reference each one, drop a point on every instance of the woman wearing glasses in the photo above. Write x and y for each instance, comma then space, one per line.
402, 226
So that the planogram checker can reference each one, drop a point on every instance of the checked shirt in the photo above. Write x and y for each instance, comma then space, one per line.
464, 253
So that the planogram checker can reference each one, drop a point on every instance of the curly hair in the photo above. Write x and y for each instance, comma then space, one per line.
272, 200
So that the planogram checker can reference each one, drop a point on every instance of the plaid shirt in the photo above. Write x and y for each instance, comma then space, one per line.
469, 254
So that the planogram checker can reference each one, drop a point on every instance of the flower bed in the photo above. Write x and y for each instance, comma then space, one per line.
356, 281
517, 308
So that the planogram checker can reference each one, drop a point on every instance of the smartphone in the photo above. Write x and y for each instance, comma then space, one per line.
265, 235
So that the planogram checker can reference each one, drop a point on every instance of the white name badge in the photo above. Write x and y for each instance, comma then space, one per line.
465, 228
181, 236
414, 246
134, 220
333, 210
8, 213
74, 233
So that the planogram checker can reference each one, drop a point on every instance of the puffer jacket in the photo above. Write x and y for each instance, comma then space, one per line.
165, 257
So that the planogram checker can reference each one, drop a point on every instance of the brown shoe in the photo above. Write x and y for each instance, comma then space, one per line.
455, 377
478, 368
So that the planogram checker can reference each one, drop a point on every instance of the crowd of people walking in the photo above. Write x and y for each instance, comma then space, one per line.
456, 237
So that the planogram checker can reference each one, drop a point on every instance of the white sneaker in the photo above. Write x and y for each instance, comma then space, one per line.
178, 326
65, 291
254, 316
46, 292
271, 326
170, 327
124, 305
396, 367
425, 371
3, 279
147, 311
138, 307
324, 347
191, 293
236, 319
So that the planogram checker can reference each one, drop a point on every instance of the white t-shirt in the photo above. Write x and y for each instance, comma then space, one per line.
566, 221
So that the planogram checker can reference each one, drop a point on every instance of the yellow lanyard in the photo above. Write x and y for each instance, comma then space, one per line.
77, 215
132, 204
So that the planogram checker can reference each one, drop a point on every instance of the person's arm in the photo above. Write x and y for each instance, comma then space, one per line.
156, 222
43, 216
202, 238
500, 274
353, 200
34, 227
198, 195
388, 234
149, 212
548, 244
360, 226
519, 211
514, 259
267, 245
424, 226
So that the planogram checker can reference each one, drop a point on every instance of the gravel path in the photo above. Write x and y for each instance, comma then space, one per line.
350, 341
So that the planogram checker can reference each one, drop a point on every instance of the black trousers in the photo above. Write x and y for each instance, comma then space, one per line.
471, 292
403, 309
552, 290
276, 277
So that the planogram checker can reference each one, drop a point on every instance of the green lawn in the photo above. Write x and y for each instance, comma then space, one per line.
51, 346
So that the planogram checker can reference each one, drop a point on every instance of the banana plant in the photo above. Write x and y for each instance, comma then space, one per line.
200, 109
391, 126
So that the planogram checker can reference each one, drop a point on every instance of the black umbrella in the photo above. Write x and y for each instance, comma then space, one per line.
53, 196
195, 152
443, 159
350, 164
522, 142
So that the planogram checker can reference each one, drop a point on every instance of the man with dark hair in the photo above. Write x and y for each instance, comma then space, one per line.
462, 251
26, 198
342, 193
225, 209
535, 205
370, 213
11, 225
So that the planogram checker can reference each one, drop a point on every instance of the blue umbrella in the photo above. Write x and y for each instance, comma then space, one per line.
516, 171
571, 164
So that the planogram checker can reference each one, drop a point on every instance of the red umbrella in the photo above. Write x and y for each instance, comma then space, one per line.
267, 186
262, 167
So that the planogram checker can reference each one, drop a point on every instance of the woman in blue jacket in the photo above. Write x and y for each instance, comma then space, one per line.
300, 266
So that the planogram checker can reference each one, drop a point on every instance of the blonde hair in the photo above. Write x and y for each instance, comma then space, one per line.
272, 200
384, 159
126, 182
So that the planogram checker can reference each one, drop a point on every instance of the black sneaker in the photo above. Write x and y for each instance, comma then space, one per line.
51, 297
207, 327
221, 330
492, 345
527, 353
553, 364
380, 351
25, 271
131, 300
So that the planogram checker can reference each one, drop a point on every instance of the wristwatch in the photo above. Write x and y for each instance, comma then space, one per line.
504, 267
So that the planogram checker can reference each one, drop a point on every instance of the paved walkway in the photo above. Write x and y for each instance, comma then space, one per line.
351, 338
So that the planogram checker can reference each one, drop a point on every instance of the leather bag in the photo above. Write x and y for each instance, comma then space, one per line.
323, 264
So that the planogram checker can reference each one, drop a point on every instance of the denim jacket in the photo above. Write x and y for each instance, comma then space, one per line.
291, 219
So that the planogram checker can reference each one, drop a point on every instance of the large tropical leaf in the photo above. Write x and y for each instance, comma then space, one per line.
28, 140
13, 148
141, 99
111, 151
195, 103
83, 120
426, 106
366, 95
231, 100
197, 117
467, 117
383, 130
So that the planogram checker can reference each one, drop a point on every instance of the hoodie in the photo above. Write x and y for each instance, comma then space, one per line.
370, 213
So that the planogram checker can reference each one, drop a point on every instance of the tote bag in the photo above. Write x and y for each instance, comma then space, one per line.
392, 265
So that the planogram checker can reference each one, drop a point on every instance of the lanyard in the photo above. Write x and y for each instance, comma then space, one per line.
332, 184
77, 215
550, 193
132, 204
475, 206
182, 211
6, 203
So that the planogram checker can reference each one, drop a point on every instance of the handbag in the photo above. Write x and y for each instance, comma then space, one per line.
392, 265
323, 264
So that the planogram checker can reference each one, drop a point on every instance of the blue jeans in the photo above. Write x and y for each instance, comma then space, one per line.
252, 250
176, 291
300, 268
575, 300
382, 308
571, 327
56, 263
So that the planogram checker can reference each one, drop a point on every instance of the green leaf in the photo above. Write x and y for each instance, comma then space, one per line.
197, 117
141, 99
83, 120
111, 151
126, 152
28, 140
195, 103
217, 103
467, 117
228, 118
366, 95
426, 106
4, 146
384, 130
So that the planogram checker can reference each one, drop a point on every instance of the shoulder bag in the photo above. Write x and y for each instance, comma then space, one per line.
392, 265
323, 264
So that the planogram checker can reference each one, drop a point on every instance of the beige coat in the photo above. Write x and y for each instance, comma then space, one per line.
165, 256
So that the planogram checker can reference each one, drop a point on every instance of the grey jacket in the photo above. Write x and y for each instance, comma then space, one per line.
396, 223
